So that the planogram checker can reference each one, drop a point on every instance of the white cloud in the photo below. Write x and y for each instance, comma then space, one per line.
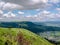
44, 1
20, 12
9, 15
55, 1
58, 9
28, 16
25, 4
41, 16
9, 6
2, 4
1, 18
35, 15
37, 9
50, 16
45, 12
44, 16
38, 1
1, 12
35, 1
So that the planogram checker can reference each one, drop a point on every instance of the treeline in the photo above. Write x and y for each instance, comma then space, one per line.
30, 26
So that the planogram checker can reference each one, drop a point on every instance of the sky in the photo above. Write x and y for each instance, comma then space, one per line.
30, 10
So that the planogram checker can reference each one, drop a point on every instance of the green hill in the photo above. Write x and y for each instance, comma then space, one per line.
29, 26
18, 36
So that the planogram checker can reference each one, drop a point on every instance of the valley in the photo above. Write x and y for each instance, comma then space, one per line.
49, 33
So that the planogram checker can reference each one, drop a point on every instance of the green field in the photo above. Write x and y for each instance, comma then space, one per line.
18, 36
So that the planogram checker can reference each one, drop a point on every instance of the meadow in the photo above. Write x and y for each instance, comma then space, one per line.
19, 36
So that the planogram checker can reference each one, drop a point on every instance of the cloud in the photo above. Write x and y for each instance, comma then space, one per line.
2, 4
9, 15
41, 16
41, 6
20, 12
1, 18
25, 4
44, 16
54, 1
9, 6
37, 9
28, 16
45, 12
1, 12
38, 1
58, 9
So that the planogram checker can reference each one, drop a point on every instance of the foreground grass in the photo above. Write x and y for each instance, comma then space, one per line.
16, 36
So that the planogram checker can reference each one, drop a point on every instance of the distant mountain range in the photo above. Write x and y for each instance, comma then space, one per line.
49, 23
34, 27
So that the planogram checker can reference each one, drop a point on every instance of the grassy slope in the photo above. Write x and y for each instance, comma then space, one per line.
14, 35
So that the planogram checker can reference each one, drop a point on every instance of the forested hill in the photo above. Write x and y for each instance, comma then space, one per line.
29, 25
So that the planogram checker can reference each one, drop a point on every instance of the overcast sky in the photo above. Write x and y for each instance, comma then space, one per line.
29, 10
